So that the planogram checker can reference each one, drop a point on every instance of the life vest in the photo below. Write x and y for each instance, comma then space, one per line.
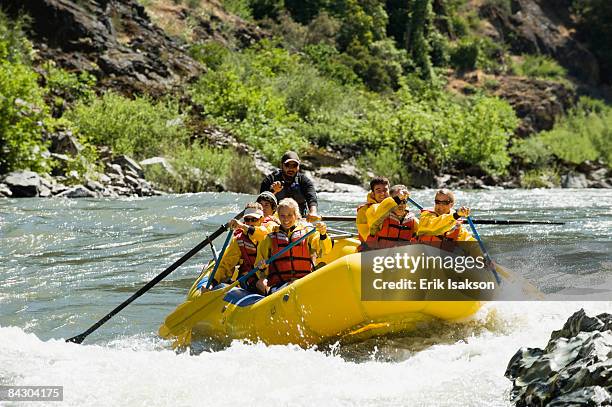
445, 240
269, 219
393, 232
293, 264
248, 254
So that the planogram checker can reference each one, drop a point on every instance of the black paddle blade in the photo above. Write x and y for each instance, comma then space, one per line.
76, 339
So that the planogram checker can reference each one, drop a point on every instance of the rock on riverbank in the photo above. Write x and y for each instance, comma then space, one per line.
575, 367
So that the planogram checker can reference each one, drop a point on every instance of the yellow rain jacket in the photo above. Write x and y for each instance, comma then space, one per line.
315, 244
233, 256
363, 224
431, 224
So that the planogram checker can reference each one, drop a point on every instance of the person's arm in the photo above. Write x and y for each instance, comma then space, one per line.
363, 228
431, 224
230, 259
309, 192
465, 235
319, 242
260, 232
377, 213
266, 184
263, 254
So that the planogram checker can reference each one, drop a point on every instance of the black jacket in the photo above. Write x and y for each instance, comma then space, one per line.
301, 189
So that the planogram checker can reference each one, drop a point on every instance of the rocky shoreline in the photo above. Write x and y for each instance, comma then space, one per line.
575, 367
125, 176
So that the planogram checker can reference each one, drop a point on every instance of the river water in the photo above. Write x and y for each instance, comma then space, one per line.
64, 264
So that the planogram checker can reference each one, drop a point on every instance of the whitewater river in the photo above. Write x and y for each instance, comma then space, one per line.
64, 264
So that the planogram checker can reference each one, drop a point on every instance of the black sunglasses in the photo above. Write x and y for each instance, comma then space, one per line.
442, 202
291, 165
250, 219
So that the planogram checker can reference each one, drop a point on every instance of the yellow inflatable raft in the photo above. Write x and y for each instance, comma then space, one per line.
324, 306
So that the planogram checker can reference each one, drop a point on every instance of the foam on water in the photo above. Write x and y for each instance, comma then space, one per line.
140, 370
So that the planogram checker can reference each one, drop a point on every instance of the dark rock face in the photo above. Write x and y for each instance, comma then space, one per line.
536, 102
574, 369
113, 39
541, 27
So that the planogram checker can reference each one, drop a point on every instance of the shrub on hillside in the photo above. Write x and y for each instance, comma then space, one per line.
538, 66
138, 127
22, 108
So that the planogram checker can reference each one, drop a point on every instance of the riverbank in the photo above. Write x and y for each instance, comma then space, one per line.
494, 97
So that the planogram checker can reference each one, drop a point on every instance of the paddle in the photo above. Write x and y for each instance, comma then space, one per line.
483, 248
177, 319
80, 338
217, 262
340, 218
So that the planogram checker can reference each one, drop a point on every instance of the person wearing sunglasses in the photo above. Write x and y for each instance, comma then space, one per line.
442, 223
242, 250
289, 182
392, 223
298, 261
379, 190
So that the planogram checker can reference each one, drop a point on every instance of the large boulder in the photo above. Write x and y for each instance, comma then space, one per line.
78, 191
129, 164
158, 165
573, 180
345, 174
575, 367
23, 184
114, 40
65, 143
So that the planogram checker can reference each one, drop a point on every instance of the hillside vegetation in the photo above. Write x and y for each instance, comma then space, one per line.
360, 78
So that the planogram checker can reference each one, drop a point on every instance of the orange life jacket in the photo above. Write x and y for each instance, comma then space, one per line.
393, 232
248, 253
293, 264
445, 240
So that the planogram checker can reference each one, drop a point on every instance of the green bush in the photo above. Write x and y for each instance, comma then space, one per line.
532, 152
210, 53
137, 127
22, 108
541, 178
202, 168
464, 54
539, 66
584, 134
386, 161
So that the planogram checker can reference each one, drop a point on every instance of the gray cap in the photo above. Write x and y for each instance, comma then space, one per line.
290, 156
267, 196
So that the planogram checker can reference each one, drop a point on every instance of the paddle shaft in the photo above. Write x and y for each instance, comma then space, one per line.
340, 218
80, 338
218, 260
484, 250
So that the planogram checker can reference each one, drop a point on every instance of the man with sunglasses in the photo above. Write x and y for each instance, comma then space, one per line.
392, 224
242, 250
442, 224
289, 182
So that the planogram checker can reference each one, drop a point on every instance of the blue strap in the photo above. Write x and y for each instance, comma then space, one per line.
210, 278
